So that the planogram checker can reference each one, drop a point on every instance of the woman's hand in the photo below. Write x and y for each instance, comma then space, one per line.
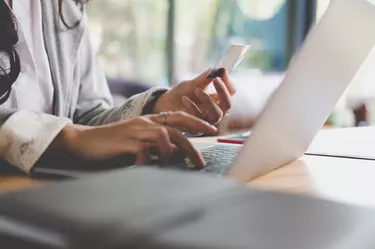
140, 136
191, 96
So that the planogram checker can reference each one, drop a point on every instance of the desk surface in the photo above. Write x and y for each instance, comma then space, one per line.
344, 180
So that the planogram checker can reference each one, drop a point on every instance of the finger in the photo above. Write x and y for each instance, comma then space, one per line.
176, 150
159, 136
225, 99
143, 158
215, 97
134, 146
141, 121
202, 81
186, 147
212, 112
216, 73
185, 121
190, 123
191, 107
228, 83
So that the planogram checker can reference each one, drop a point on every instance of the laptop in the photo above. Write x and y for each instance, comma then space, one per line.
316, 78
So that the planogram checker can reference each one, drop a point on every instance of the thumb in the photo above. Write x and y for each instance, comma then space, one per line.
201, 80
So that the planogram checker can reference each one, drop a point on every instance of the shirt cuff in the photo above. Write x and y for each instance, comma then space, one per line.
136, 105
26, 135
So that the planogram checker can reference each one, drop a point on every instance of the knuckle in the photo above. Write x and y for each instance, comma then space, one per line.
139, 120
220, 116
162, 132
225, 107
205, 97
145, 120
174, 132
219, 82
217, 116
230, 103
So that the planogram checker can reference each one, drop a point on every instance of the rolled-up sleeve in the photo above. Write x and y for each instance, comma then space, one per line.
26, 135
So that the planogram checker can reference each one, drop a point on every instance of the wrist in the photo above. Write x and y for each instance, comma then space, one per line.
156, 108
155, 104
69, 138
67, 147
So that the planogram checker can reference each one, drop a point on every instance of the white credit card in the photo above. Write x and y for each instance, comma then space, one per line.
231, 59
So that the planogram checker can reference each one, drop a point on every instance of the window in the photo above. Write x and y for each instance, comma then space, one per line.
260, 10
130, 37
204, 30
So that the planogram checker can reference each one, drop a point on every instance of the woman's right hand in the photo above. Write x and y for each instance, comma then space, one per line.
141, 136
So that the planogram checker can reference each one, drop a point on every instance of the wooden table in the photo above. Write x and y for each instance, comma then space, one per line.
344, 180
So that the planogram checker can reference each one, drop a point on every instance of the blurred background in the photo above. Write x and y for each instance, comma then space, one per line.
144, 43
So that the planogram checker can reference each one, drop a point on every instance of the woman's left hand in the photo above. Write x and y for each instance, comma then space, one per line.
191, 96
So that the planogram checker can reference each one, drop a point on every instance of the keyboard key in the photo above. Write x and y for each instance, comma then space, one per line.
218, 159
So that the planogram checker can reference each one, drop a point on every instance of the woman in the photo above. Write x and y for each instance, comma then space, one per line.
56, 102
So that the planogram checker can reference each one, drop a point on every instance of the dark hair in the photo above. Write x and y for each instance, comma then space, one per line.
10, 65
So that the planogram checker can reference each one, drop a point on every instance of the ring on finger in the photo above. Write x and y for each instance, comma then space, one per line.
164, 116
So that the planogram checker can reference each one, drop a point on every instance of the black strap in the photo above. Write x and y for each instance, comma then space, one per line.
147, 109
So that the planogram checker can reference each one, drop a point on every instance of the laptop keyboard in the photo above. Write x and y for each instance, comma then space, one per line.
218, 159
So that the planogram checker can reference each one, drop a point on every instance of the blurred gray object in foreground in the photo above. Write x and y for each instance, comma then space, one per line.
150, 208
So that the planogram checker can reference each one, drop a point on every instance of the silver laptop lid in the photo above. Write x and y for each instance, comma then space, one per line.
316, 78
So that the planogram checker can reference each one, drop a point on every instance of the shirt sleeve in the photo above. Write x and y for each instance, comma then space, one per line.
94, 103
26, 135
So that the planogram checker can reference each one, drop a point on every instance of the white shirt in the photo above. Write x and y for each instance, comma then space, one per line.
26, 134
34, 83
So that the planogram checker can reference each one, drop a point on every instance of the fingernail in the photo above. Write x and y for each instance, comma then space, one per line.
225, 75
216, 73
203, 162
221, 72
214, 130
210, 125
